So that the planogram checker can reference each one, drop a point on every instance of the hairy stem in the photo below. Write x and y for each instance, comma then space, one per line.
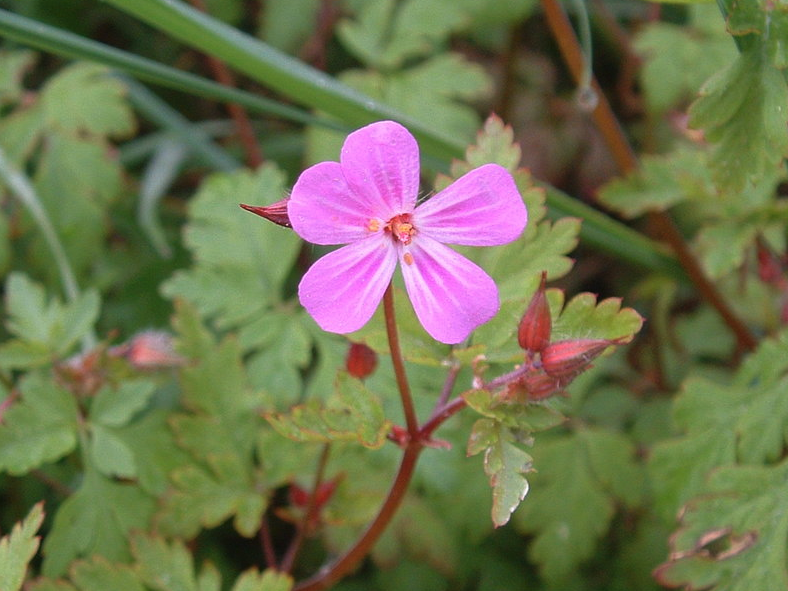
399, 365
627, 161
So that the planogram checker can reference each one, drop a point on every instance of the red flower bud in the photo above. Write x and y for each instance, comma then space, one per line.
276, 212
770, 269
568, 359
533, 334
361, 361
300, 497
150, 349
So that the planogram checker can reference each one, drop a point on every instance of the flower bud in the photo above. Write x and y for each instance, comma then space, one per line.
361, 361
533, 334
569, 358
276, 212
150, 349
539, 385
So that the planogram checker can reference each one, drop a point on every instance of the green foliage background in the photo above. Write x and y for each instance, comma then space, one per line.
162, 393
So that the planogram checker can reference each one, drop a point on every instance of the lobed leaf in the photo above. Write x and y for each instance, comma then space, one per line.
84, 97
40, 427
206, 498
18, 548
352, 414
504, 463
581, 477
722, 424
241, 263
733, 538
742, 111
96, 520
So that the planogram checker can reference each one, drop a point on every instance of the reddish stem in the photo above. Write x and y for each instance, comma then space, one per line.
399, 365
627, 161
326, 577
309, 515
268, 544
243, 125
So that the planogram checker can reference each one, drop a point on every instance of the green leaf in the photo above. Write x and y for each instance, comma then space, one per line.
206, 498
433, 91
686, 55
110, 454
154, 449
270, 580
386, 33
743, 421
352, 414
241, 260
98, 574
504, 464
742, 111
13, 66
96, 519
45, 330
18, 548
40, 427
86, 174
84, 98
164, 566
115, 405
733, 538
660, 183
764, 23
579, 479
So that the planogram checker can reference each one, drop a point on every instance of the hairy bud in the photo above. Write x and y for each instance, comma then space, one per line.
569, 358
533, 334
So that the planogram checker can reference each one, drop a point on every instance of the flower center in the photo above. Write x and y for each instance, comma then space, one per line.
401, 228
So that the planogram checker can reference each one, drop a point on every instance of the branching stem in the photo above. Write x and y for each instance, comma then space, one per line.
627, 161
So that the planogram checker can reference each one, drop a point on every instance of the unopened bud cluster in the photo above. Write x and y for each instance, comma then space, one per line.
550, 365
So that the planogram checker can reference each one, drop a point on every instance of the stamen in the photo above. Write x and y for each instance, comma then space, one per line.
408, 258
373, 225
401, 229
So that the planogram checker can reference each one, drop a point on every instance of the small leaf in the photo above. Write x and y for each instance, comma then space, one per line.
742, 110
164, 566
111, 456
270, 580
504, 464
18, 548
86, 98
40, 427
206, 498
352, 414
13, 66
96, 519
100, 575
115, 406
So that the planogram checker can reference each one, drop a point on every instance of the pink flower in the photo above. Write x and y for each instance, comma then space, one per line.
367, 201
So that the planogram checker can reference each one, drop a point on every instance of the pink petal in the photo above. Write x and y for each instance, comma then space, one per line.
342, 289
481, 208
381, 163
451, 295
323, 209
